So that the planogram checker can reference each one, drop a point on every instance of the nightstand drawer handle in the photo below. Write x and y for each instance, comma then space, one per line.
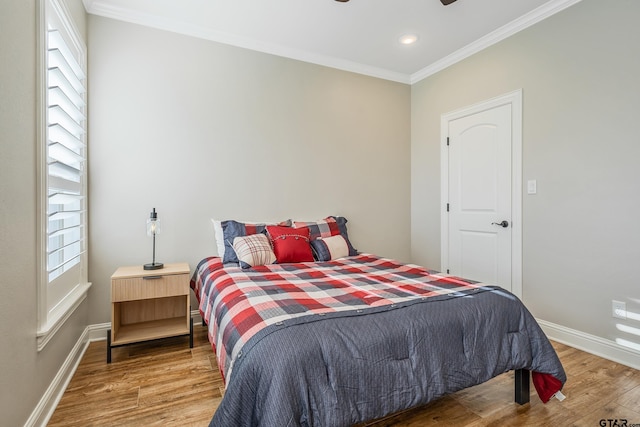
151, 277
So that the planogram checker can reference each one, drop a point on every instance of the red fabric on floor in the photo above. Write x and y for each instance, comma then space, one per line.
546, 385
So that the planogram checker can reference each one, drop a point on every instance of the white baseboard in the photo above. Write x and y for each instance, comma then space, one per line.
47, 405
195, 314
591, 344
98, 332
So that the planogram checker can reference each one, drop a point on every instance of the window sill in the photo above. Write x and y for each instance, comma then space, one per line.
59, 315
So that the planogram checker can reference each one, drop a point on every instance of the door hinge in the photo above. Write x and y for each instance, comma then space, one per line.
447, 141
447, 207
447, 271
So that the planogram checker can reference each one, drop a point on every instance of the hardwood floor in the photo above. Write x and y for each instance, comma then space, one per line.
159, 383
164, 383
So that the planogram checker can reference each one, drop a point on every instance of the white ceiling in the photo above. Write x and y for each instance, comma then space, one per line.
359, 36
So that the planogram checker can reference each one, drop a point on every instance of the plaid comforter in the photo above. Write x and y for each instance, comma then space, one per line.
431, 335
237, 304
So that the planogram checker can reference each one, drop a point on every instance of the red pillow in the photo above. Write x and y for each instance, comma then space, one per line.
290, 244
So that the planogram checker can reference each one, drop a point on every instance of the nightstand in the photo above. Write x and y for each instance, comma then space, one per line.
149, 305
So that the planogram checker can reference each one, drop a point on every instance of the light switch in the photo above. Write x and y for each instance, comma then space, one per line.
532, 186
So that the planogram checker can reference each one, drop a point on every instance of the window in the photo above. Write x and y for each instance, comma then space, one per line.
63, 192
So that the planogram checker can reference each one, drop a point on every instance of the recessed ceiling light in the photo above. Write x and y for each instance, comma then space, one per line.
408, 39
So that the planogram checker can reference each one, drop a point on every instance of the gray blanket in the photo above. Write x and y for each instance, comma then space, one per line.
350, 367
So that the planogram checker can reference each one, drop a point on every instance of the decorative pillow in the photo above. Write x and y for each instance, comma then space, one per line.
342, 225
290, 244
330, 226
324, 228
329, 248
232, 229
253, 250
217, 231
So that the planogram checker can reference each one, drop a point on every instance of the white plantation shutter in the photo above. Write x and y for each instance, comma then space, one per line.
66, 149
63, 190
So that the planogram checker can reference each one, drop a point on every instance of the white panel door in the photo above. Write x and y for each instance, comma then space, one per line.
479, 200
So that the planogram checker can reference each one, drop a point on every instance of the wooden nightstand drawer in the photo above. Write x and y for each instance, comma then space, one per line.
152, 286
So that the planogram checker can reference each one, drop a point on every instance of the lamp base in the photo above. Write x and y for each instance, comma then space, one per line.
154, 266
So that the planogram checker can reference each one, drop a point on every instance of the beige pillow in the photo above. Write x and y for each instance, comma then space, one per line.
253, 250
330, 248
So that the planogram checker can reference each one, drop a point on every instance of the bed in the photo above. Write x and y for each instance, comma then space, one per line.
342, 341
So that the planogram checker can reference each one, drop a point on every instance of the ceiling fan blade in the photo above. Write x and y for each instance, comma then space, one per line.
446, 2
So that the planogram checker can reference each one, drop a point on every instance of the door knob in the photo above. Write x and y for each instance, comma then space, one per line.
503, 224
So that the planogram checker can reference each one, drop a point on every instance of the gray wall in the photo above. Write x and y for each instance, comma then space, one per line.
579, 74
201, 130
25, 373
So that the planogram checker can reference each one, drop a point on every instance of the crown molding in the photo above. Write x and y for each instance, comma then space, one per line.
513, 27
100, 8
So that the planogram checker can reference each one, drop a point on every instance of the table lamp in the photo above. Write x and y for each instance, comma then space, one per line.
153, 228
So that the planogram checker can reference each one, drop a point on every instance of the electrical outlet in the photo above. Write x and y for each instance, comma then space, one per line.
619, 309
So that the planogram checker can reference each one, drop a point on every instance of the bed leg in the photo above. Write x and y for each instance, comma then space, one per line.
522, 386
